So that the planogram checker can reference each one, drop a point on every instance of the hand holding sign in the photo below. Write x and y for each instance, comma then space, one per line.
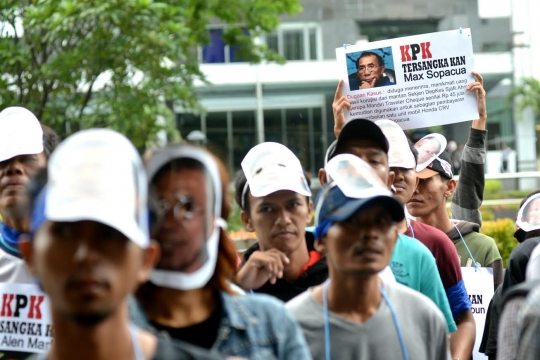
478, 86
338, 107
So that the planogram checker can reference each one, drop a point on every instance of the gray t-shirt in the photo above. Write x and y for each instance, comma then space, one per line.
422, 324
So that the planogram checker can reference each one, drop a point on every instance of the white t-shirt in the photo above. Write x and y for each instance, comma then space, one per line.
14, 270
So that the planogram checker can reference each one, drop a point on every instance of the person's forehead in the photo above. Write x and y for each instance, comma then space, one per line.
281, 196
368, 59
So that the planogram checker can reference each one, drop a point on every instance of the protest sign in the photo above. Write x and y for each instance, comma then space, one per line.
25, 322
479, 285
416, 81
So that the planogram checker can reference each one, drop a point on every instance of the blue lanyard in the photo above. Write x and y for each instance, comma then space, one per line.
466, 247
327, 322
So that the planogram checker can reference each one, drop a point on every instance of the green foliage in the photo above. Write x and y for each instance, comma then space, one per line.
487, 214
527, 93
492, 187
120, 63
234, 222
502, 231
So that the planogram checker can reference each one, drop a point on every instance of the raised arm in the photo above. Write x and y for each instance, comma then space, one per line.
470, 189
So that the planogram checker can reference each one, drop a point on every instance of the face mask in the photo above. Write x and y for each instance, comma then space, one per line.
208, 255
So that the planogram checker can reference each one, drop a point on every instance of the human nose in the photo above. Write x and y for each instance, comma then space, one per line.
283, 218
84, 252
14, 167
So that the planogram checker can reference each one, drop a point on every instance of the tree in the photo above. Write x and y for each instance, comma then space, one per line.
527, 93
119, 63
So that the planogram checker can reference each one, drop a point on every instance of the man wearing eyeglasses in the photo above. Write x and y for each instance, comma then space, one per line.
370, 69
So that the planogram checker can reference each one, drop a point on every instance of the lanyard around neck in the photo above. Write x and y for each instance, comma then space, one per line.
327, 322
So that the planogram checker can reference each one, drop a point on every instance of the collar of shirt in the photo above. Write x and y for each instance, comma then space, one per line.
9, 240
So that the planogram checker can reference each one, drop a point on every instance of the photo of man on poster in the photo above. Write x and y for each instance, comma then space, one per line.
371, 69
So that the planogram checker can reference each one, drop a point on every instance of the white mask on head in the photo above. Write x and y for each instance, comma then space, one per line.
200, 277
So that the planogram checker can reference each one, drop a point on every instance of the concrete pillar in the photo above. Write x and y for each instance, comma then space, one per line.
523, 67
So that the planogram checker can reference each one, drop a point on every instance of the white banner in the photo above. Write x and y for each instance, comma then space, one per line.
416, 81
479, 285
25, 321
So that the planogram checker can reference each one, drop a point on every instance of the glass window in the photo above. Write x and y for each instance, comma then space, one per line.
298, 134
186, 123
272, 41
317, 137
313, 44
381, 30
244, 135
496, 47
272, 126
216, 133
215, 51
293, 44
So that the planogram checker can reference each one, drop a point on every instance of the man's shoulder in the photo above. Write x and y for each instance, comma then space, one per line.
412, 249
429, 232
480, 239
525, 249
255, 306
301, 303
414, 302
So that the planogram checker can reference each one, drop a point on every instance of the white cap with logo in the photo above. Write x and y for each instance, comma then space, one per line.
20, 133
98, 175
271, 167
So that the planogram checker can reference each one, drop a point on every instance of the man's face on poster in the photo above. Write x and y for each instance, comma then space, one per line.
369, 70
533, 212
427, 149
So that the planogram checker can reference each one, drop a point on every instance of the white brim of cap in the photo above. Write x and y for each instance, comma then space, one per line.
99, 212
25, 148
257, 191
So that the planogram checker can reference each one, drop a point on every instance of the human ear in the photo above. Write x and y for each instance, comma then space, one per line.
310, 211
391, 178
322, 177
451, 186
320, 245
246, 220
151, 257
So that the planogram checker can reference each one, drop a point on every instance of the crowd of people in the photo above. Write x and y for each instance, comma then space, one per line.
136, 262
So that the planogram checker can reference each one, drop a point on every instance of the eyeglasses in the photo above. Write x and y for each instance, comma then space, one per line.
370, 68
184, 208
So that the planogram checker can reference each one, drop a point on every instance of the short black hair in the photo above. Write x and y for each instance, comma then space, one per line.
413, 150
243, 201
50, 140
370, 53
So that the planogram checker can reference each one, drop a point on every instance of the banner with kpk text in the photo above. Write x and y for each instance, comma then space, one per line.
416, 81
25, 321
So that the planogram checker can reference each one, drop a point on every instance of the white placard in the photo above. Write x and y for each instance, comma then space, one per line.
416, 81
25, 321
479, 285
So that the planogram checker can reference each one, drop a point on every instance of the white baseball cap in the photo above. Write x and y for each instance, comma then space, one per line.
98, 175
20, 133
271, 167
399, 152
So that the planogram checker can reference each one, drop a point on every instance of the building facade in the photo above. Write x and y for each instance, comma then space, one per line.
292, 103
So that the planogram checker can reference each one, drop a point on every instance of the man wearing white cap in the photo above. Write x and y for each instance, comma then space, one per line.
24, 148
274, 195
89, 249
